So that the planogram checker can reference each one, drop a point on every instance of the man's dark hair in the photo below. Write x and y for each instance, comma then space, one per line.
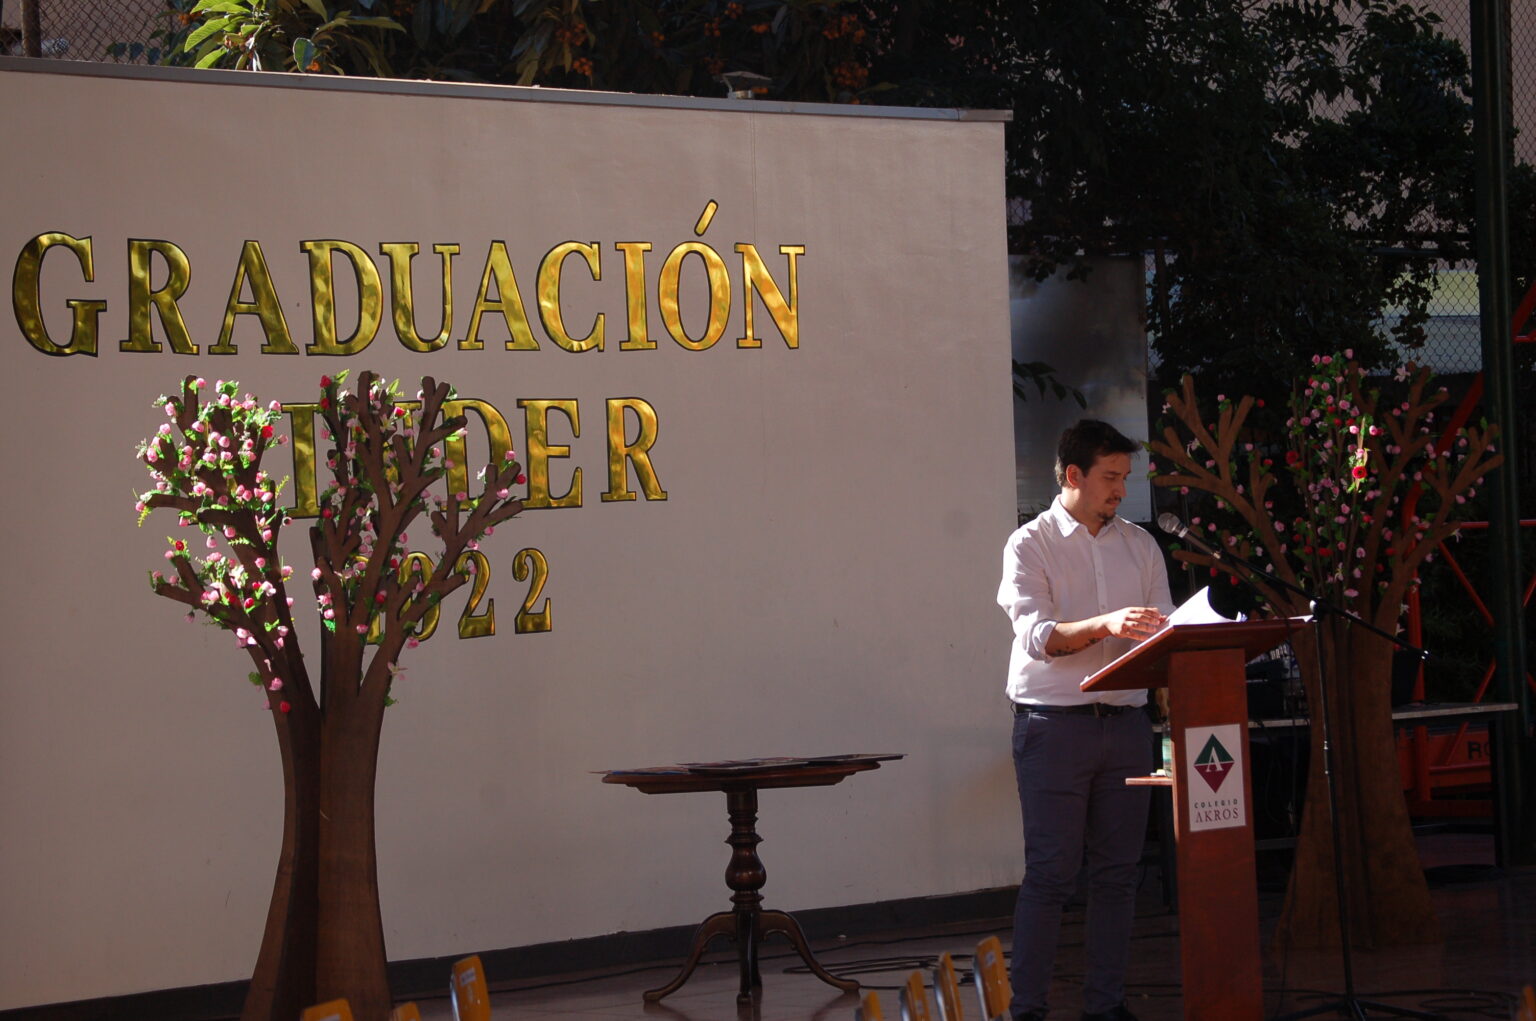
1086, 442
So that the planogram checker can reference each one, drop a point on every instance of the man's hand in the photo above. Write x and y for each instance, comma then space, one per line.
1135, 622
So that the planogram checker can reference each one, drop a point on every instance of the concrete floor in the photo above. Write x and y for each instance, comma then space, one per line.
1488, 955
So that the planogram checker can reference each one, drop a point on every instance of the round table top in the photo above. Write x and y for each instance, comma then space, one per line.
745, 774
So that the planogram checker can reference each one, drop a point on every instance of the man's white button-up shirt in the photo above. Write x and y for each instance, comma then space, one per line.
1054, 569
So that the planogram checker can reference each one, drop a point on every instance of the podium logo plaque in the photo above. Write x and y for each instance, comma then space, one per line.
1213, 763
1214, 777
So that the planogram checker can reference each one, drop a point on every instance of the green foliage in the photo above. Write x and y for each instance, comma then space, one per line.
1269, 153
818, 50
948, 53
291, 35
810, 49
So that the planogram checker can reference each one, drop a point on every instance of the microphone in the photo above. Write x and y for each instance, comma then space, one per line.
1171, 524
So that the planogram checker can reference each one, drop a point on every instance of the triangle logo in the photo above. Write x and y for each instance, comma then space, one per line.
1214, 763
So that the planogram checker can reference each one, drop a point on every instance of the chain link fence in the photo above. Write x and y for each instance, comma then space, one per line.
103, 30
1453, 335
1454, 340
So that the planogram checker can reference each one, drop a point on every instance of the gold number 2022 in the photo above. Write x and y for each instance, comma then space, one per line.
528, 565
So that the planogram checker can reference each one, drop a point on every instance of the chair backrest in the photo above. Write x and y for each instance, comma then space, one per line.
992, 984
1527, 1011
471, 998
913, 999
405, 1012
869, 1008
331, 1010
946, 989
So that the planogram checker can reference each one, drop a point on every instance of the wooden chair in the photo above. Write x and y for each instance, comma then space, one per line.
471, 998
946, 989
913, 999
405, 1012
992, 984
331, 1010
869, 1008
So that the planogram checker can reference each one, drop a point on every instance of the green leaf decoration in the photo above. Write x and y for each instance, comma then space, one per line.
303, 54
206, 30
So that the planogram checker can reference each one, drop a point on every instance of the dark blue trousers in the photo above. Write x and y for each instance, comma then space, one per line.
1071, 772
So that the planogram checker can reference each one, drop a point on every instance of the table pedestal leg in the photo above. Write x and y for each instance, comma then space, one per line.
780, 921
722, 923
746, 922
745, 876
746, 956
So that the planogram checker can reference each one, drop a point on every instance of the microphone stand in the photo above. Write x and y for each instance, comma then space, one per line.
1348, 1003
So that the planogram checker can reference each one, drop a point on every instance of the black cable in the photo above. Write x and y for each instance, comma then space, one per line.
1462, 1002
512, 986
872, 966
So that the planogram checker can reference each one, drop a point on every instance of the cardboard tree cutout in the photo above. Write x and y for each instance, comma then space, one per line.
324, 936
1365, 493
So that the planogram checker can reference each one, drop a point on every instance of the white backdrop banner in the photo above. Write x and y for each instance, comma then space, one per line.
755, 359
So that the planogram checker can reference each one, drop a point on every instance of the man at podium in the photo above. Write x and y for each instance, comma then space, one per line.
1082, 585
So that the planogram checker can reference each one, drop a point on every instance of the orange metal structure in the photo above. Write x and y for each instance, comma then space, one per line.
1456, 761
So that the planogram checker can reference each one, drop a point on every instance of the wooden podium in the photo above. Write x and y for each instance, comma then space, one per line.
1201, 665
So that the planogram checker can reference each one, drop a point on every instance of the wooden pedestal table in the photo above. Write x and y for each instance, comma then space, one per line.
747, 923
1201, 665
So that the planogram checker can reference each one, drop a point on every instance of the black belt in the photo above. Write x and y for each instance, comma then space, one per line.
1086, 709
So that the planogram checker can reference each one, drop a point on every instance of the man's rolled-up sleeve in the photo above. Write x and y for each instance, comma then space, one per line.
1025, 595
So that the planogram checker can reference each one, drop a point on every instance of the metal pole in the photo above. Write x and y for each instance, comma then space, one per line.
1492, 151
31, 28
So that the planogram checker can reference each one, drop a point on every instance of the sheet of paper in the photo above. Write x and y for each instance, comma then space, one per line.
1197, 609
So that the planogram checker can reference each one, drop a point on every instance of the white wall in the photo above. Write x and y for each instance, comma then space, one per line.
819, 578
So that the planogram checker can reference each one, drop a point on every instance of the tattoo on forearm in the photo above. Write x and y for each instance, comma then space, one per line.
1077, 646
